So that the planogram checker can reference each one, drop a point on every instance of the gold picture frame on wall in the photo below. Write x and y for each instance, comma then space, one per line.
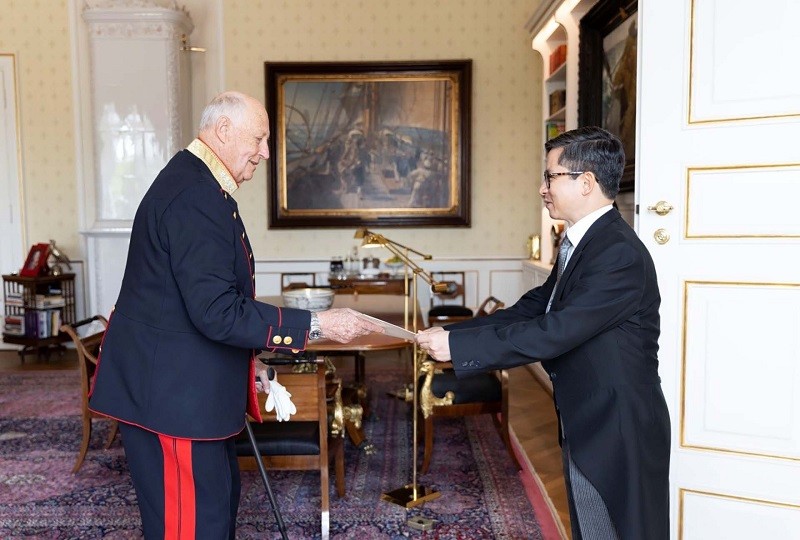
607, 75
369, 143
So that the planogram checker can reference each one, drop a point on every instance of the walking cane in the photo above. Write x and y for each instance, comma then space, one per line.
263, 471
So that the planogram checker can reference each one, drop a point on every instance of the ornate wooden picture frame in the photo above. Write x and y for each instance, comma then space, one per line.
607, 75
369, 143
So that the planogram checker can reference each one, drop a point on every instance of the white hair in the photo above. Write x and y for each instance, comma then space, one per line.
230, 104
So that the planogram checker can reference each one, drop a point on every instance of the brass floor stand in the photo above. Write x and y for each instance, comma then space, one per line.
412, 494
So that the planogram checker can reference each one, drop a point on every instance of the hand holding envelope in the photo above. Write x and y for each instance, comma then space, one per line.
436, 342
345, 324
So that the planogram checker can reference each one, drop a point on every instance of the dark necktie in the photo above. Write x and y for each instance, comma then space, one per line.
563, 251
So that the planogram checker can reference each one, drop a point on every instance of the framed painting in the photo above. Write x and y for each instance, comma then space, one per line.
369, 144
607, 75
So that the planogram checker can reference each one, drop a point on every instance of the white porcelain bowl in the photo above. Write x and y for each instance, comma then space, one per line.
310, 298
395, 267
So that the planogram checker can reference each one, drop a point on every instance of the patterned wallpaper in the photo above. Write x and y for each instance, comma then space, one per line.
505, 107
37, 32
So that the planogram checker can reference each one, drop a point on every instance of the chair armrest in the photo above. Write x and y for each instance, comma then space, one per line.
426, 397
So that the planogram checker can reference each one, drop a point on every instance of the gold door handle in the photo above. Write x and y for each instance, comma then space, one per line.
662, 208
661, 236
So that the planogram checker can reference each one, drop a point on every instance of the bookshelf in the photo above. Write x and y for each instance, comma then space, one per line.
35, 309
554, 31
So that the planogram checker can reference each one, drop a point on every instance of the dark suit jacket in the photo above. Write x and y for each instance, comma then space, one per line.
178, 355
599, 344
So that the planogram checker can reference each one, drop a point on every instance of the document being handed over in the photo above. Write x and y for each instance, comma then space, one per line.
391, 329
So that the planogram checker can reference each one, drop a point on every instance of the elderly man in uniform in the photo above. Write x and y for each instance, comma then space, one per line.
177, 366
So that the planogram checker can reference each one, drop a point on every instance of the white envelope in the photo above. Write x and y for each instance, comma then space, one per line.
391, 329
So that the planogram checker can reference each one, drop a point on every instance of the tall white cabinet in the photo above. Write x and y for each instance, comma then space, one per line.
134, 115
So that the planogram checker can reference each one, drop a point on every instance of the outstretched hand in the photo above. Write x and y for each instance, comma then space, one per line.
344, 325
436, 342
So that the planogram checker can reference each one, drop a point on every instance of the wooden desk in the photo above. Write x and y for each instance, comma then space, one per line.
358, 392
383, 284
383, 306
387, 307
356, 349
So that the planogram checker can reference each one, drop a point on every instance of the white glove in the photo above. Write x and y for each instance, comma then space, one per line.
279, 399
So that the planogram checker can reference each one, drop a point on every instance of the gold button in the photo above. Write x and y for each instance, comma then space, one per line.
277, 340
251, 255
226, 195
295, 351
288, 340
243, 236
234, 215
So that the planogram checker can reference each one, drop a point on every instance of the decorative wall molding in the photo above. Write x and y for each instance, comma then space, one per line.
101, 28
131, 4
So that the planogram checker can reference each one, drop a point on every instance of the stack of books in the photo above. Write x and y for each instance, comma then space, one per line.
40, 320
554, 129
14, 325
558, 57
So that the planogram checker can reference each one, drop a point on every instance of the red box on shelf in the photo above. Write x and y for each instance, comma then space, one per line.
558, 57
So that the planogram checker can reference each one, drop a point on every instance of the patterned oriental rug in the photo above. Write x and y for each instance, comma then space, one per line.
482, 495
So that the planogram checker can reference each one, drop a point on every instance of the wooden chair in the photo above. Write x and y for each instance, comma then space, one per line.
442, 394
448, 307
298, 280
87, 349
302, 443
442, 317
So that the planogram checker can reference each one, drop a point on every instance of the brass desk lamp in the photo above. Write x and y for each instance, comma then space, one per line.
411, 494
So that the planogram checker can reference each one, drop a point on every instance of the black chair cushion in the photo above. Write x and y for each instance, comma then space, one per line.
450, 311
480, 388
281, 439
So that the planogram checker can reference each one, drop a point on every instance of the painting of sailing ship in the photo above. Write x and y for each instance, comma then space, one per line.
607, 75
359, 144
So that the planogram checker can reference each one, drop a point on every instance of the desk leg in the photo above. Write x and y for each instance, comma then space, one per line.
354, 403
353, 418
360, 368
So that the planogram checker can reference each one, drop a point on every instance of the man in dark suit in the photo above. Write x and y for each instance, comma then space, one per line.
177, 364
595, 330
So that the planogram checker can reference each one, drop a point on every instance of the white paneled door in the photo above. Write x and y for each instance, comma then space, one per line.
719, 121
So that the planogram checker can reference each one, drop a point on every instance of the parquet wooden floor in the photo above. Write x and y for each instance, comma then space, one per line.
533, 419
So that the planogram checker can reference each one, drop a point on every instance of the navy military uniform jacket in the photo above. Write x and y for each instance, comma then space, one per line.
599, 344
178, 356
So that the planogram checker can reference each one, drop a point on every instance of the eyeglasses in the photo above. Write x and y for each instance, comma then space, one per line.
548, 177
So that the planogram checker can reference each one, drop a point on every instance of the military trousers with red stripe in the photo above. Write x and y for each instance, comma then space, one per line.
186, 489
